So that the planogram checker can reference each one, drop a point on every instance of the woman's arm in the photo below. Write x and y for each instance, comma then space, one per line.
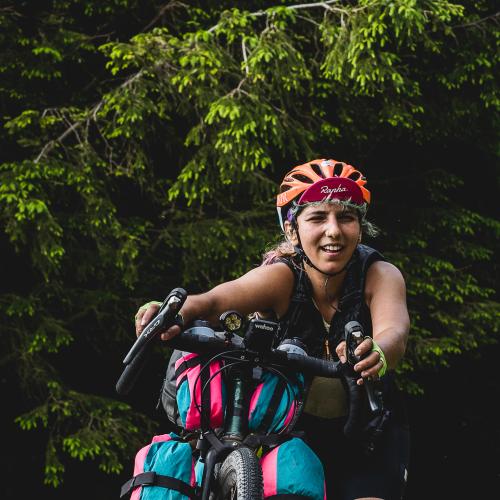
261, 289
385, 294
386, 298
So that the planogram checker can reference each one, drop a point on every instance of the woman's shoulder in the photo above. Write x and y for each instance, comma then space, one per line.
276, 280
381, 276
279, 270
383, 268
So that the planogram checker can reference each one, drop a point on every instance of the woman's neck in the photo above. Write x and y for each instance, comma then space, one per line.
326, 289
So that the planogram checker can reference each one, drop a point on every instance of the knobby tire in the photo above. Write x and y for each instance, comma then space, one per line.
240, 477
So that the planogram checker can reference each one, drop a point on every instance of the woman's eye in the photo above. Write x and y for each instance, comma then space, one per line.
314, 217
346, 217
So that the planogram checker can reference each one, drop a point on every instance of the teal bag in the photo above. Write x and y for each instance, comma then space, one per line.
293, 469
163, 470
273, 404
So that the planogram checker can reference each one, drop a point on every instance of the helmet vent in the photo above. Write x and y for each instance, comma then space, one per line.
355, 175
337, 169
284, 188
317, 169
302, 178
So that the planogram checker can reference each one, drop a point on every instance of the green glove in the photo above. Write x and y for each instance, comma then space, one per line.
145, 306
377, 348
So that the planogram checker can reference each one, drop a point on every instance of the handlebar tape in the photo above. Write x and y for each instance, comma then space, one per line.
131, 372
192, 342
306, 364
201, 344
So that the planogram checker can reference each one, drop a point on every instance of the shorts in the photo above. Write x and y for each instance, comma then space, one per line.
351, 474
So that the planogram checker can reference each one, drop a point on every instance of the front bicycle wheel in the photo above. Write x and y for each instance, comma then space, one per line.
240, 477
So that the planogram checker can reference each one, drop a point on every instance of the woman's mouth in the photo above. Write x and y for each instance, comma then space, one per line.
331, 249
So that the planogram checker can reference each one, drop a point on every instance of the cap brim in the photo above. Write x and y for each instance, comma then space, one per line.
333, 188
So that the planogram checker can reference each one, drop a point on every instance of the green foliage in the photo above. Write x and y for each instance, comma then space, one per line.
452, 312
204, 264
109, 432
143, 159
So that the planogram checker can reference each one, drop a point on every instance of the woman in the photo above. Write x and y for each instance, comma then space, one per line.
316, 281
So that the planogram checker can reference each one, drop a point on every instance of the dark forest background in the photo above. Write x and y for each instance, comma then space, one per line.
141, 146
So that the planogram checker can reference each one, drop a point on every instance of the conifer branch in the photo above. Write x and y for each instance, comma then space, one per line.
92, 114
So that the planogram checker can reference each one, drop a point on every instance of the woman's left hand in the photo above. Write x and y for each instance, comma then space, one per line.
371, 364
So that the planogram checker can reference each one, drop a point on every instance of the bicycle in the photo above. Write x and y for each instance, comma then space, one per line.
231, 466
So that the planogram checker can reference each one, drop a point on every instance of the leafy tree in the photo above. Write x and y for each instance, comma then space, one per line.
145, 158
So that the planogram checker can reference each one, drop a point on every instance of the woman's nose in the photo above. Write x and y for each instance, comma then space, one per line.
332, 228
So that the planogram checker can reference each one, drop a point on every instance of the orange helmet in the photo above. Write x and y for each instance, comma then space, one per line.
321, 180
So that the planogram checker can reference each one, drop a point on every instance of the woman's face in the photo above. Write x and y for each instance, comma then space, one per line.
329, 234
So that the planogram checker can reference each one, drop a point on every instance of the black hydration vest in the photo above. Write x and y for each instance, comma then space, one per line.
303, 320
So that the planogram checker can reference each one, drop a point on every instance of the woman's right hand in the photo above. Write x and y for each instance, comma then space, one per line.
145, 314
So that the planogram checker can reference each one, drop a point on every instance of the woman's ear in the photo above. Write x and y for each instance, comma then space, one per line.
291, 234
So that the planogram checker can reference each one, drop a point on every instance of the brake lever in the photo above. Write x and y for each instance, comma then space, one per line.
354, 335
167, 313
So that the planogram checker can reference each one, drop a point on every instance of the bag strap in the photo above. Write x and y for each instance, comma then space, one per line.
286, 496
189, 363
206, 399
151, 478
278, 393
271, 440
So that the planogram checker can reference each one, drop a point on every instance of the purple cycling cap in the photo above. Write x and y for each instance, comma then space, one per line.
333, 188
